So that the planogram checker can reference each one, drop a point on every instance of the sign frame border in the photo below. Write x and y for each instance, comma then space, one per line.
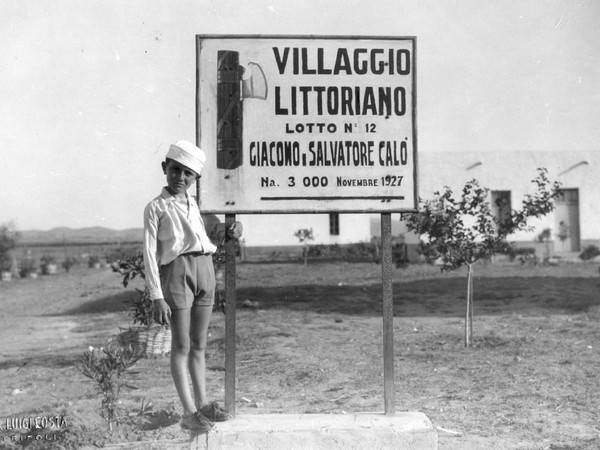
201, 37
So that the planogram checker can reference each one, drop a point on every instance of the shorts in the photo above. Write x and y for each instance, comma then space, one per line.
188, 281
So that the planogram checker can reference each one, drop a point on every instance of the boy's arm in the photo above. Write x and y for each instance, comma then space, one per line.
150, 253
216, 230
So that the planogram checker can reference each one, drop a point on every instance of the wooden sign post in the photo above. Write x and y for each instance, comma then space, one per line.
230, 318
308, 124
388, 314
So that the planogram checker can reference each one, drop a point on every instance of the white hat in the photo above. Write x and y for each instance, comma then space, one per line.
188, 154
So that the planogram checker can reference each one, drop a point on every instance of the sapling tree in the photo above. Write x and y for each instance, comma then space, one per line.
563, 233
305, 235
544, 238
9, 236
459, 231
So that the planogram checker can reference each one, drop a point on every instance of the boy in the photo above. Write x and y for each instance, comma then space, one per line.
181, 280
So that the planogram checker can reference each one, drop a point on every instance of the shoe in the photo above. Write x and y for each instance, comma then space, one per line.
215, 413
196, 422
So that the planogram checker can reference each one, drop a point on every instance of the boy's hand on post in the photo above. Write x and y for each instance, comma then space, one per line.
235, 231
162, 312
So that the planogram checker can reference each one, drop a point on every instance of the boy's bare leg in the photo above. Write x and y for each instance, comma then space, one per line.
197, 361
180, 349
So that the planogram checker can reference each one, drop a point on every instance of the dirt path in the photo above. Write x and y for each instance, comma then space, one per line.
45, 324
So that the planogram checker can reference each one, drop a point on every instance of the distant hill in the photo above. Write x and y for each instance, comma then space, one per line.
81, 235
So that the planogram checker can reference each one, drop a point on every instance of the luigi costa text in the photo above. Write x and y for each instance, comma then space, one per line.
35, 428
337, 100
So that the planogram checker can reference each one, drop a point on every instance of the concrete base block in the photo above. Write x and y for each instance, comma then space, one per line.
357, 431
403, 431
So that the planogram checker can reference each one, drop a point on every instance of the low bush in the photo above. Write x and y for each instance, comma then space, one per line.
108, 368
523, 255
121, 253
590, 252
27, 267
69, 262
48, 265
93, 261
141, 305
359, 250
8, 241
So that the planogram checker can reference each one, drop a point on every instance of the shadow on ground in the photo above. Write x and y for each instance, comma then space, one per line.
108, 304
439, 297
444, 297
161, 419
56, 360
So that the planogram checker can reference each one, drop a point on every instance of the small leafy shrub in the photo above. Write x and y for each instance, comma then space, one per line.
564, 232
121, 253
545, 237
336, 251
399, 251
305, 235
141, 308
220, 256
48, 265
109, 368
141, 305
47, 259
219, 259
28, 266
69, 262
93, 260
400, 255
358, 250
130, 267
590, 252
220, 297
316, 251
524, 255
8, 241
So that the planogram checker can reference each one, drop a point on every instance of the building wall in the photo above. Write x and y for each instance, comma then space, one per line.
279, 229
513, 171
506, 171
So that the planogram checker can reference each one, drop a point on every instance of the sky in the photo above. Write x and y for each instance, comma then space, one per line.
93, 92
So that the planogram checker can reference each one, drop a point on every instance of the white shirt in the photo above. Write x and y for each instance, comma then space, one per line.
171, 228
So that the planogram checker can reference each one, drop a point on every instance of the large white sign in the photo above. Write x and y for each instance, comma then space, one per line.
307, 124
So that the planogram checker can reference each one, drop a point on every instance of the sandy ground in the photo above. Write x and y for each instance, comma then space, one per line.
312, 343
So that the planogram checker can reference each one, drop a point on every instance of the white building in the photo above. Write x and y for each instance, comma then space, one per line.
506, 174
